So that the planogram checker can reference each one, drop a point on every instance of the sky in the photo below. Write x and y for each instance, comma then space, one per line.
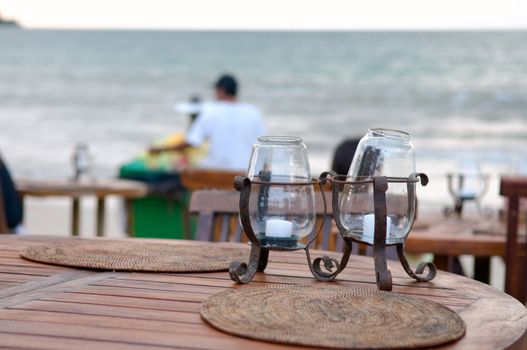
269, 14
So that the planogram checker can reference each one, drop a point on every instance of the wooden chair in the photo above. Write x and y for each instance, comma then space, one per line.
194, 179
515, 188
197, 178
217, 212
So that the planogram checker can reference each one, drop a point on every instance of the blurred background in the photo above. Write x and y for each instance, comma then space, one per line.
108, 74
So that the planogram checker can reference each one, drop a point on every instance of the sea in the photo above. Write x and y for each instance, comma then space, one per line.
462, 95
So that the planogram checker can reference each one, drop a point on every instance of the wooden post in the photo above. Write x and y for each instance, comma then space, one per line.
101, 208
129, 212
511, 249
75, 222
523, 278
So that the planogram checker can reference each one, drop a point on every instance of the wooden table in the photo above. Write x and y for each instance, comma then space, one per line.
76, 189
451, 236
51, 307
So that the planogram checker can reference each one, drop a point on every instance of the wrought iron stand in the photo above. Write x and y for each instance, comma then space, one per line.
326, 268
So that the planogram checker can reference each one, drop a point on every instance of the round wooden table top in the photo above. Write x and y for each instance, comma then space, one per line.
70, 187
45, 306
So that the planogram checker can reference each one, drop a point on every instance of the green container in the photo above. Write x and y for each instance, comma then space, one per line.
158, 215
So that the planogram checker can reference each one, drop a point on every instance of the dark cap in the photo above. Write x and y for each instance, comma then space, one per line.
228, 84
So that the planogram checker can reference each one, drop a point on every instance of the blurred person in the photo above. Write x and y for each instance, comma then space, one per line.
192, 108
230, 127
343, 155
11, 203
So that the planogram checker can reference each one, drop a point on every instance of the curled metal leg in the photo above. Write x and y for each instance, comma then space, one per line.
383, 276
418, 274
243, 273
262, 263
331, 265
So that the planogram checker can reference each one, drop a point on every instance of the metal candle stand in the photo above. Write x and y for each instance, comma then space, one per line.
460, 198
244, 272
380, 186
326, 268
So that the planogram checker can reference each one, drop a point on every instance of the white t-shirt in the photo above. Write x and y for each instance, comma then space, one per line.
231, 128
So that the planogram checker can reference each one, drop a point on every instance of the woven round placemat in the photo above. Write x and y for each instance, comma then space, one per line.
333, 317
129, 255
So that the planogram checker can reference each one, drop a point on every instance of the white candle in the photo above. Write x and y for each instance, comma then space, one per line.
278, 228
368, 228
468, 193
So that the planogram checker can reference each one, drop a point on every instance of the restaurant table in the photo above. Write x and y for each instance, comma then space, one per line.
51, 307
77, 188
451, 236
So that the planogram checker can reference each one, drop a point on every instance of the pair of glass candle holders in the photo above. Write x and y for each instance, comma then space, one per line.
373, 204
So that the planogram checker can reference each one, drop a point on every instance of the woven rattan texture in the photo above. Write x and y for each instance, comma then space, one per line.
332, 316
135, 256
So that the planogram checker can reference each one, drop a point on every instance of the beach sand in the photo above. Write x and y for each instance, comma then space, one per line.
52, 216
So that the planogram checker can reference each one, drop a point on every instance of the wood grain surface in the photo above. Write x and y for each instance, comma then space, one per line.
51, 307
72, 188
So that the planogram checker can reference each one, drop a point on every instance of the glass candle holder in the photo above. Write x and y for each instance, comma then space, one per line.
81, 161
381, 152
282, 202
277, 204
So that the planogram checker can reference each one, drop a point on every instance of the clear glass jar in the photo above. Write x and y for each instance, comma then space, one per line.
81, 161
381, 152
281, 213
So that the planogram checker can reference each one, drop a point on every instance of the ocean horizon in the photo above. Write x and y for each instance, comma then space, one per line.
462, 95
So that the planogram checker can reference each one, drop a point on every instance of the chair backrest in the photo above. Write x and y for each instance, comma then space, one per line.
218, 210
194, 179
197, 178
515, 188
3, 220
